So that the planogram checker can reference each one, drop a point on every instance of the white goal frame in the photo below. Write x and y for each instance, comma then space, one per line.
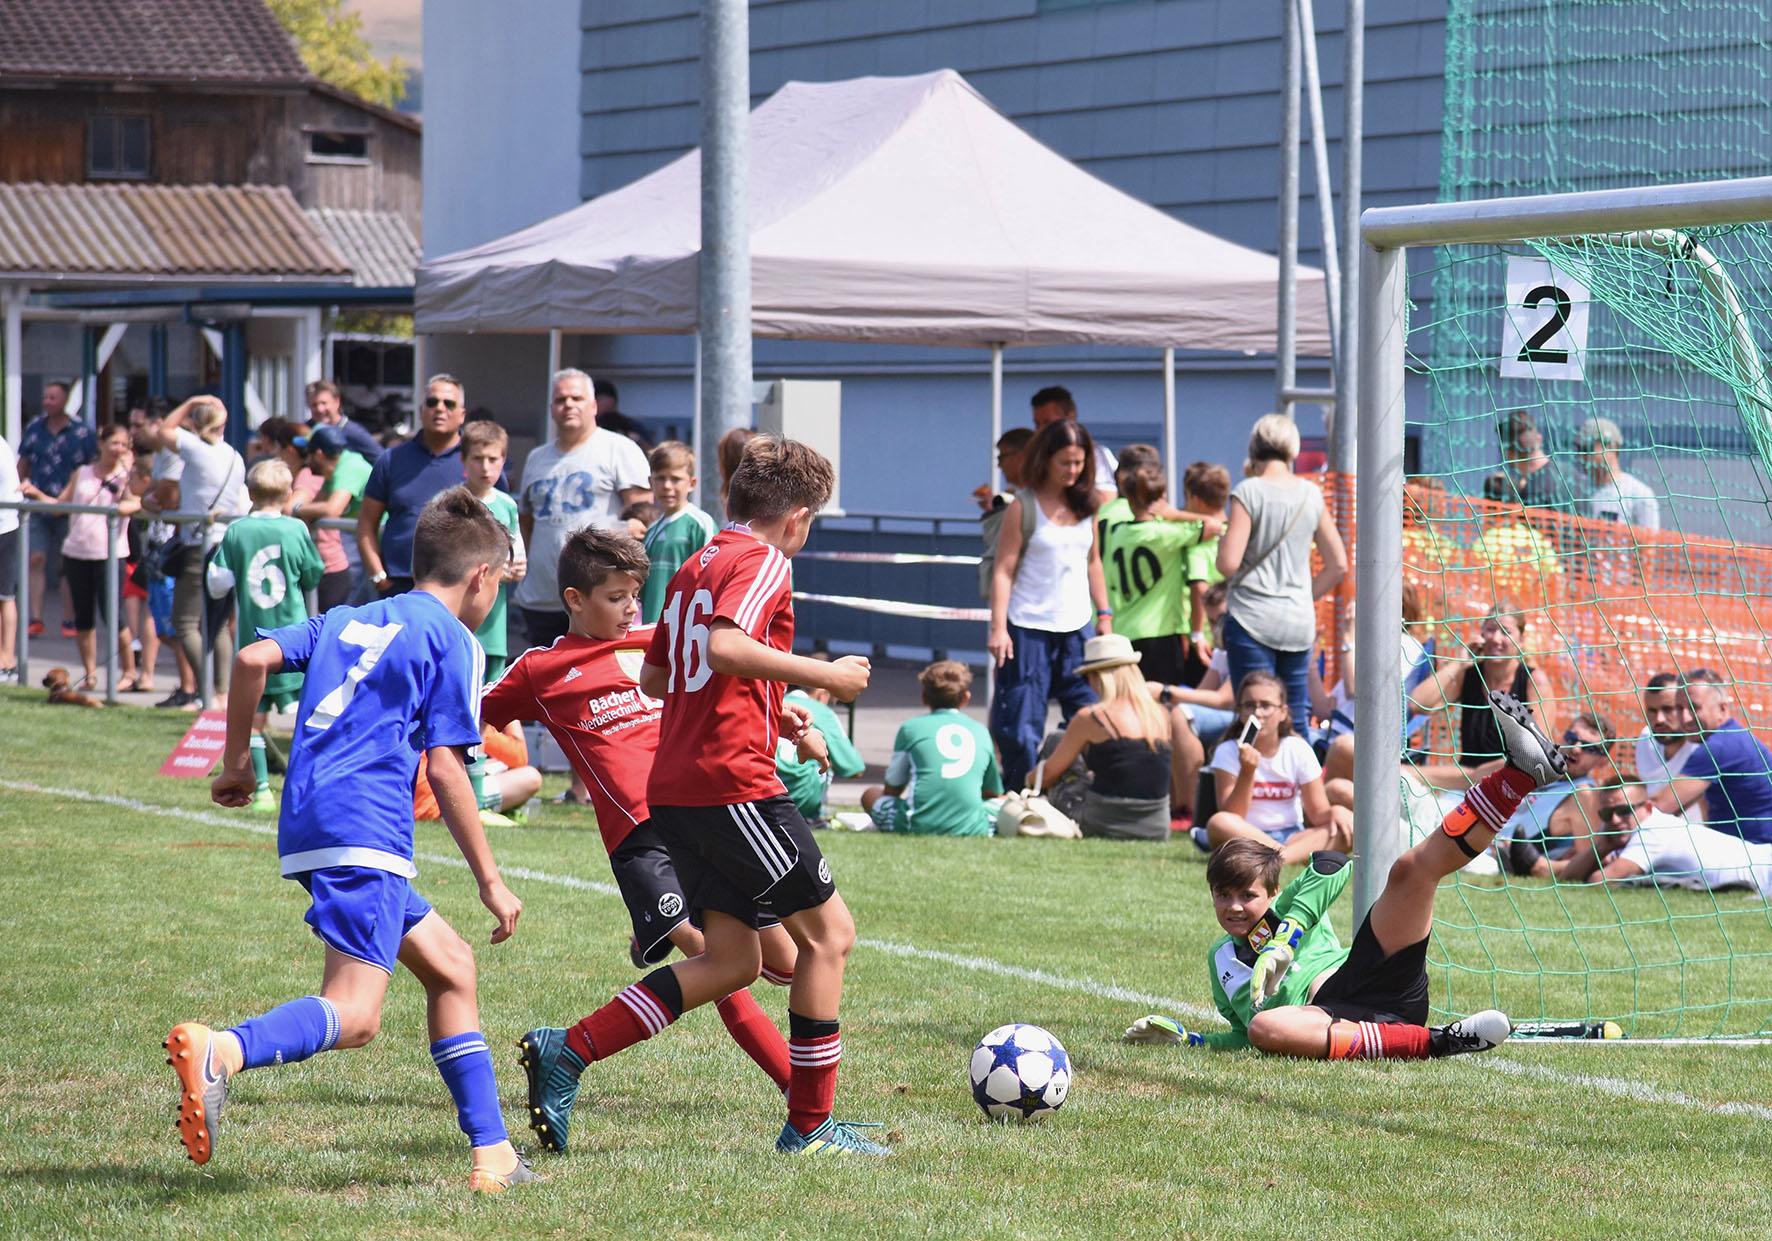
1387, 234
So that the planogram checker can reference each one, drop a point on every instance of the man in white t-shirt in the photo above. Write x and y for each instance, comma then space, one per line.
1669, 737
584, 478
1636, 842
1055, 404
1617, 496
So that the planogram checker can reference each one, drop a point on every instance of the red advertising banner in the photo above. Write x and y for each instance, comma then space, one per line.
200, 749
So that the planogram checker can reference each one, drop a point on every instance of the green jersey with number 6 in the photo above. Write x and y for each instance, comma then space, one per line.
945, 763
270, 563
1146, 578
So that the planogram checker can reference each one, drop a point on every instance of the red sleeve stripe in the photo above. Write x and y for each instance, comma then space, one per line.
769, 580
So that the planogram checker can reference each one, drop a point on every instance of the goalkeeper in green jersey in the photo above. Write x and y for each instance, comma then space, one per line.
1282, 980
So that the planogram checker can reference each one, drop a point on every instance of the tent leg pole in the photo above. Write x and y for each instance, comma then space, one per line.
724, 312
1286, 363
1169, 424
996, 413
1313, 86
547, 401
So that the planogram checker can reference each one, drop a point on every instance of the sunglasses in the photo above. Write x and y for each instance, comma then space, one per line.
1573, 742
449, 403
1621, 810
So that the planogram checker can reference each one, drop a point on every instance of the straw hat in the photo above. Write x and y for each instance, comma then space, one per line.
1107, 650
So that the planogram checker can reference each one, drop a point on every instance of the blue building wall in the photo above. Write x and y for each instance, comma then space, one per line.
1174, 101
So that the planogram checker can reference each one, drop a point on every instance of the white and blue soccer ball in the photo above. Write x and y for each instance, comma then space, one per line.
1020, 1072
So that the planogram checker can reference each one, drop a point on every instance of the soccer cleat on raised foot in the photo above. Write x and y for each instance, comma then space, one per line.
486, 1181
1482, 1031
833, 1137
202, 1087
551, 1069
1523, 743
263, 802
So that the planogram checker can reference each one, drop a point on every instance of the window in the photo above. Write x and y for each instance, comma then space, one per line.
334, 146
117, 146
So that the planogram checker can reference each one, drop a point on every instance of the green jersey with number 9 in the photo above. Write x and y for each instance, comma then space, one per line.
1146, 578
945, 763
270, 563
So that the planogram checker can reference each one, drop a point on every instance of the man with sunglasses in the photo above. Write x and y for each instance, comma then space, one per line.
403, 481
1632, 840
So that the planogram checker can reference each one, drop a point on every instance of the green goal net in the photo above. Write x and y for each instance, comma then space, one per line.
1590, 427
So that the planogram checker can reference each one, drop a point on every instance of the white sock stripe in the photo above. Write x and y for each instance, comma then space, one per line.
1485, 809
813, 1060
464, 1049
651, 1013
330, 1040
1372, 1044
777, 977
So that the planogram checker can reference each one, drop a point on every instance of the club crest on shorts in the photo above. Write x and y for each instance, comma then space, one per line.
631, 660
670, 904
824, 870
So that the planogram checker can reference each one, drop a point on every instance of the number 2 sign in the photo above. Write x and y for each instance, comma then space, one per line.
1544, 334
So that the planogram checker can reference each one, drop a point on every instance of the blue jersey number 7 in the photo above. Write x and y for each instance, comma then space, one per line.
373, 640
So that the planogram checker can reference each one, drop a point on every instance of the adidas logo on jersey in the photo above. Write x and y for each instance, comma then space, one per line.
572, 674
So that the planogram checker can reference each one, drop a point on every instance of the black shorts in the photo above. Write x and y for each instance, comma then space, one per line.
1370, 986
648, 883
1160, 659
755, 861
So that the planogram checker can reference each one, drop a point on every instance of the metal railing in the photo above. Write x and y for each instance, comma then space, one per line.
113, 594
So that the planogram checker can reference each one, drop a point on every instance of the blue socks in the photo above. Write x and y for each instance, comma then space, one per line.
465, 1063
289, 1032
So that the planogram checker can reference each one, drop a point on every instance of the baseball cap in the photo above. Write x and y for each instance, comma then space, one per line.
328, 439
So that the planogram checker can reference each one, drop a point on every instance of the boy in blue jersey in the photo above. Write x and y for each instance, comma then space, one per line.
384, 682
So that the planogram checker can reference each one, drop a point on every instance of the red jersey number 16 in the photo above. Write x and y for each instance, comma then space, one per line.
686, 641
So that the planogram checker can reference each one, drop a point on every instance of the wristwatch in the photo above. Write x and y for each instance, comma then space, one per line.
378, 577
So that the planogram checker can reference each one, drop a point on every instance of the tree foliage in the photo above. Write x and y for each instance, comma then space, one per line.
333, 47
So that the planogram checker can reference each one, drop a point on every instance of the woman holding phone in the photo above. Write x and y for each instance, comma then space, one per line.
1270, 785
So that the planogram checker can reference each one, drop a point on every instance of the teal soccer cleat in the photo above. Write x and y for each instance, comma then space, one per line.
834, 1137
551, 1069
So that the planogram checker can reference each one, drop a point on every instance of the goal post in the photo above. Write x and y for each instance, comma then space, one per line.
1693, 354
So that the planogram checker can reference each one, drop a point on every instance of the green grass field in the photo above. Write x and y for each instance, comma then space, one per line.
120, 920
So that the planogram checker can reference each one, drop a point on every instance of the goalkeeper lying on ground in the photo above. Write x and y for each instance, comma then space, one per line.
1280, 976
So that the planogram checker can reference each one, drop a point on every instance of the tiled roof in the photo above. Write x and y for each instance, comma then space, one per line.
147, 40
87, 232
379, 247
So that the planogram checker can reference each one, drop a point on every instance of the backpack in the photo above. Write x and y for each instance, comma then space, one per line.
991, 525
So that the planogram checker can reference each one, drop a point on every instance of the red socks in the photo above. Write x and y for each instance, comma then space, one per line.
635, 1014
1371, 1040
815, 1048
752, 1030
1491, 803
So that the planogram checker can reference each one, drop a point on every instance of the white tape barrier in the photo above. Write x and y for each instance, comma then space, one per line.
892, 607
889, 558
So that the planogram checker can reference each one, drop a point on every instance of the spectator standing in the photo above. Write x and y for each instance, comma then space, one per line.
1270, 622
1528, 473
1118, 509
402, 482
681, 529
584, 478
1669, 735
484, 447
165, 469
1042, 593
53, 447
1617, 495
211, 483
610, 417
1143, 559
326, 409
104, 481
1055, 404
1730, 769
9, 493
1206, 489
1012, 448
731, 452
340, 473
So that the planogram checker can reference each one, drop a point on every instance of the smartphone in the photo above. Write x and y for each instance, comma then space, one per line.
1251, 727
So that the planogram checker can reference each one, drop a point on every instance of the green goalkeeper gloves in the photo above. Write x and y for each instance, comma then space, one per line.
1160, 1029
1272, 962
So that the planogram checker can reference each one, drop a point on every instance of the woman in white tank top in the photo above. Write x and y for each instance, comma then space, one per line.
1045, 590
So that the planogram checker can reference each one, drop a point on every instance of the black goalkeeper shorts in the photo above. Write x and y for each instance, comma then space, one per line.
1370, 986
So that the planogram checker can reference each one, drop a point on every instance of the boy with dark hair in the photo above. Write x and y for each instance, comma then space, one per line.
584, 689
1374, 1005
384, 682
270, 563
943, 778
680, 530
721, 658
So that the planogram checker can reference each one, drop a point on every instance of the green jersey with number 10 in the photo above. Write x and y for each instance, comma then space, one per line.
1146, 576
270, 563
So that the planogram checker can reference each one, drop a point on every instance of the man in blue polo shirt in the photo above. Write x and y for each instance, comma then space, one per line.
404, 480
1730, 768
54, 446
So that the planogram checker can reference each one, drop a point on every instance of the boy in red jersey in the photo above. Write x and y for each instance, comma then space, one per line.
585, 689
721, 658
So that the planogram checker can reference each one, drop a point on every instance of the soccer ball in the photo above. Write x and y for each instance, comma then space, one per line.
1020, 1072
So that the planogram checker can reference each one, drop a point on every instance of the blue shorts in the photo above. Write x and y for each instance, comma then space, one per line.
363, 913
160, 606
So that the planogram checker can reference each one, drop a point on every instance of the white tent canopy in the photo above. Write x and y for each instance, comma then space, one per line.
889, 210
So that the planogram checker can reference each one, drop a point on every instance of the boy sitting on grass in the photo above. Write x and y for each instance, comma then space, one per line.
1373, 1004
808, 780
943, 778
270, 563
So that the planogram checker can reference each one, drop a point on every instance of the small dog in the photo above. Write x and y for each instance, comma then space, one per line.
62, 693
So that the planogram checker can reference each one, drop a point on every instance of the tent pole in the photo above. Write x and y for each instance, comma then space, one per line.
996, 414
1169, 422
1347, 371
1286, 363
695, 432
547, 401
1313, 86
724, 312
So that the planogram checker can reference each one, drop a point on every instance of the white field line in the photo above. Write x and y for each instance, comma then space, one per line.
1613, 1086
